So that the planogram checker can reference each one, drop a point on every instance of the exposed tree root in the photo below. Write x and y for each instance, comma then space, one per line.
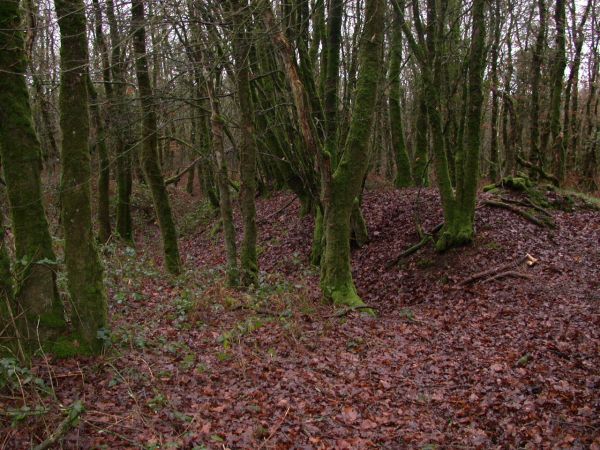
504, 270
525, 214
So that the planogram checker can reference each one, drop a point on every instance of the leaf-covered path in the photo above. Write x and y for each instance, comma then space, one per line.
508, 363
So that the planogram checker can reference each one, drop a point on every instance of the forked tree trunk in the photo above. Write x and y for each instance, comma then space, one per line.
346, 181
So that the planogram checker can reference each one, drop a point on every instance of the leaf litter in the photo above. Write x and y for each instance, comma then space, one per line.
510, 363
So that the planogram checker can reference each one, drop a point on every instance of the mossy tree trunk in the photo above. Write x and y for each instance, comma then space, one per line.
421, 151
346, 180
103, 213
149, 156
535, 154
226, 209
84, 269
403, 176
458, 201
559, 149
494, 170
340, 184
119, 124
241, 16
36, 291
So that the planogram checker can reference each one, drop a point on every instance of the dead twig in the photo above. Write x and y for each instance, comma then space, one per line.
275, 428
175, 178
416, 247
74, 411
508, 273
276, 213
346, 311
530, 260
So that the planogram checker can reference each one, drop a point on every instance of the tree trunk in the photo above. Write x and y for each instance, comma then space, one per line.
346, 182
403, 170
149, 157
216, 122
558, 72
494, 171
36, 291
119, 124
248, 257
421, 152
84, 269
103, 213
535, 155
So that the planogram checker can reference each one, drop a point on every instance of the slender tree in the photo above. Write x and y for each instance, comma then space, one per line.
403, 169
104, 227
241, 16
119, 125
149, 156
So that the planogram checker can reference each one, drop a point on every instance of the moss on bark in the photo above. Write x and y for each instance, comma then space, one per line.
149, 156
346, 182
84, 269
248, 257
403, 176
35, 292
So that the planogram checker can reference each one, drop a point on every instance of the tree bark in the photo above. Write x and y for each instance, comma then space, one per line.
346, 181
35, 291
149, 157
248, 257
84, 269
403, 170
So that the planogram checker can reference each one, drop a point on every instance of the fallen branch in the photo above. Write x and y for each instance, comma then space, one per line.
508, 273
530, 260
527, 203
74, 411
279, 211
175, 178
526, 215
416, 247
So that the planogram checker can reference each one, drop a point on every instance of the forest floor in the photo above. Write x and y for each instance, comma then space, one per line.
508, 363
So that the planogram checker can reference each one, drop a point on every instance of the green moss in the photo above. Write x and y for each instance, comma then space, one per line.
69, 346
52, 319
318, 236
455, 237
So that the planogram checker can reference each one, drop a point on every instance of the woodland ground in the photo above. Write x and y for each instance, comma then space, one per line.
511, 363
